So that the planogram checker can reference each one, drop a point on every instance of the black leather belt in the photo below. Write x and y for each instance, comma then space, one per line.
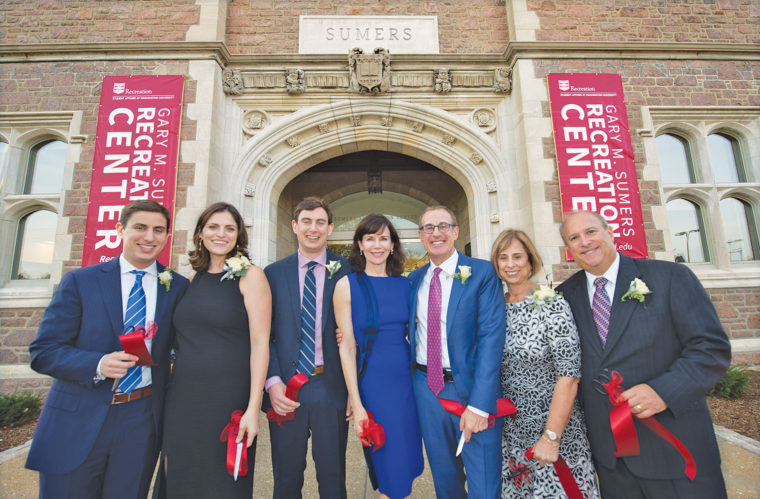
448, 376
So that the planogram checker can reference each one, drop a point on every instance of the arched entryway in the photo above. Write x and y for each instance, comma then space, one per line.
422, 138
366, 182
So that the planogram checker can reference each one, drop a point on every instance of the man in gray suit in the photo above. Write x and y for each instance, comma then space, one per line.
303, 341
670, 349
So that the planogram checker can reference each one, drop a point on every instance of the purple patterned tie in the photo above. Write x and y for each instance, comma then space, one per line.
434, 367
601, 309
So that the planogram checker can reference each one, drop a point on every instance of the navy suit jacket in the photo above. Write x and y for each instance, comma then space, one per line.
475, 331
82, 323
674, 342
285, 336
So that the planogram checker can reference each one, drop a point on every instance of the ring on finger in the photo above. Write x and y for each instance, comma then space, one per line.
639, 408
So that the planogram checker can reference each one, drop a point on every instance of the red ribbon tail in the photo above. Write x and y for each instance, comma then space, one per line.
624, 432
567, 479
662, 432
230, 433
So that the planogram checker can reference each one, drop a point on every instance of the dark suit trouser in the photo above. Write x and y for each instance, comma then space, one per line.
329, 436
621, 483
121, 462
480, 458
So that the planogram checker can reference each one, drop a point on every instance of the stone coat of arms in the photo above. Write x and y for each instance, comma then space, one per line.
370, 73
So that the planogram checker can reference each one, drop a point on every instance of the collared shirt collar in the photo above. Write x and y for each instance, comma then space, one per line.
449, 266
610, 274
321, 259
126, 267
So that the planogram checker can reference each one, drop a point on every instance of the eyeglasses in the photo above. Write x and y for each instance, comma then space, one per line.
442, 227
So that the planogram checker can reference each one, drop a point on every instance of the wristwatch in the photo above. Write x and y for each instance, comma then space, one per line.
553, 437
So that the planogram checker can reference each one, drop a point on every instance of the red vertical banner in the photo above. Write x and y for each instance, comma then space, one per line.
595, 154
136, 152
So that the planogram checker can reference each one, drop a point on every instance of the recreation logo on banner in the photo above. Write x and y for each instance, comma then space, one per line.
595, 155
136, 149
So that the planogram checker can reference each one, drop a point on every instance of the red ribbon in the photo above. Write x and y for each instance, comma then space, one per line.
521, 472
229, 434
569, 485
291, 391
372, 434
504, 407
624, 432
134, 343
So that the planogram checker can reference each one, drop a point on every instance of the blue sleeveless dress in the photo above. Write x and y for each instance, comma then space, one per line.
386, 388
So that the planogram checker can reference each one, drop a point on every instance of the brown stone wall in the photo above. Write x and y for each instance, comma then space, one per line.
72, 21
698, 21
271, 26
66, 86
739, 312
17, 329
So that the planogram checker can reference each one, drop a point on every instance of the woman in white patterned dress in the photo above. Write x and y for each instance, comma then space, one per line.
540, 373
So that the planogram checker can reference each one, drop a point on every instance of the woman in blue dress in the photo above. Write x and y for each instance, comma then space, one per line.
372, 309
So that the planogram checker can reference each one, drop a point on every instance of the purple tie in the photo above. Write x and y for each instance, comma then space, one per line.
434, 367
601, 309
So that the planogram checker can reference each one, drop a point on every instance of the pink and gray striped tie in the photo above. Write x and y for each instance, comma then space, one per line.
434, 367
601, 309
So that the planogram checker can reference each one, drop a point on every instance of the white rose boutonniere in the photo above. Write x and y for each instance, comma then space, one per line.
165, 278
235, 266
332, 267
637, 290
465, 271
543, 294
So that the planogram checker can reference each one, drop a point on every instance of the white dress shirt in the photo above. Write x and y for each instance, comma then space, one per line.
610, 275
448, 269
150, 287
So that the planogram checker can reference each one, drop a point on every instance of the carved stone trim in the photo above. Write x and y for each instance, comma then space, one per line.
248, 221
326, 80
386, 121
410, 79
356, 121
490, 185
265, 160
294, 141
449, 140
470, 79
370, 73
502, 80
232, 82
417, 126
476, 158
442, 80
254, 121
267, 79
494, 218
250, 190
324, 128
294, 81
484, 118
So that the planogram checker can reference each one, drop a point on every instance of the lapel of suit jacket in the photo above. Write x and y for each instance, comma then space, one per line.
327, 291
109, 282
291, 279
620, 313
457, 289
416, 283
576, 293
162, 296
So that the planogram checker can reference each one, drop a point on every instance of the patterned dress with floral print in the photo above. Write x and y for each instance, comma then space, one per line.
541, 344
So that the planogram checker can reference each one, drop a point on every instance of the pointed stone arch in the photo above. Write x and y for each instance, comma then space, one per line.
275, 156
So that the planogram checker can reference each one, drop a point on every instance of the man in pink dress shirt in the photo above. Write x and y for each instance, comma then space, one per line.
320, 411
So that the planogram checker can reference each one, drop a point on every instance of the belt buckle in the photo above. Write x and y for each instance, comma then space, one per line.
318, 370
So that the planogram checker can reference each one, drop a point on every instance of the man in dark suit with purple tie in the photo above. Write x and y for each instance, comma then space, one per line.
667, 343
100, 428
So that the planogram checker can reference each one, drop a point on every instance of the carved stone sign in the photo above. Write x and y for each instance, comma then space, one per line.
339, 34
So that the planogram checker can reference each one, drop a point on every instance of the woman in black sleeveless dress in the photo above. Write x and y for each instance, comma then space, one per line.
222, 353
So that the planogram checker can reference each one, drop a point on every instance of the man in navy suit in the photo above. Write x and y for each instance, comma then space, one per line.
92, 441
321, 407
670, 349
457, 356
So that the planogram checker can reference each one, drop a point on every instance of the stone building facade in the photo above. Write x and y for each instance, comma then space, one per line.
271, 115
